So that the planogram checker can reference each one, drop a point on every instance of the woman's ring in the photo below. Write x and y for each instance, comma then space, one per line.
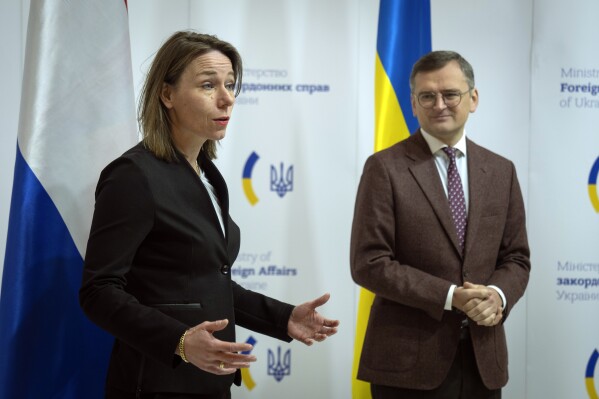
221, 365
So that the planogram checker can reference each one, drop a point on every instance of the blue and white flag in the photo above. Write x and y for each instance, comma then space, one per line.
77, 114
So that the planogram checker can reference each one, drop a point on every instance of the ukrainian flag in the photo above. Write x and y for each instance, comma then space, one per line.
404, 35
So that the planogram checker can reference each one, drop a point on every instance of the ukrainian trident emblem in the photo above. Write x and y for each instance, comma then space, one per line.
279, 368
281, 182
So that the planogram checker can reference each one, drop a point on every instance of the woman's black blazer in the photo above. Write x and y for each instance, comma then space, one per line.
157, 263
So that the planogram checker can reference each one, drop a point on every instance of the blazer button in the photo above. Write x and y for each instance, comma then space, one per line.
224, 269
466, 274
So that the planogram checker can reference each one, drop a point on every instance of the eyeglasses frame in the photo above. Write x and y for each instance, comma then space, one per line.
442, 96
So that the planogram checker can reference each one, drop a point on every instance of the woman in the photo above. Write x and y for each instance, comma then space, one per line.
162, 242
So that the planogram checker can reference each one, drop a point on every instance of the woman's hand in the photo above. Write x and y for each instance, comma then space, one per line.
307, 325
210, 354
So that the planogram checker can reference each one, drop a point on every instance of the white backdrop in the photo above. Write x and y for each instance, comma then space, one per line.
564, 227
326, 136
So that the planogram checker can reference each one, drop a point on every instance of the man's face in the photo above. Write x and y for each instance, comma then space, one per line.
443, 122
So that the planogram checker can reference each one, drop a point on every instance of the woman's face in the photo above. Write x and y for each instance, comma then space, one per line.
200, 103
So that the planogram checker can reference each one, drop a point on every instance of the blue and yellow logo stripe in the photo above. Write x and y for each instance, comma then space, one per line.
590, 374
593, 185
246, 377
246, 178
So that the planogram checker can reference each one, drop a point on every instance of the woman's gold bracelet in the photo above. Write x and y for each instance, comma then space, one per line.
182, 347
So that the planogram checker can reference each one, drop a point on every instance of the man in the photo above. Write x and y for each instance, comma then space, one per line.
439, 237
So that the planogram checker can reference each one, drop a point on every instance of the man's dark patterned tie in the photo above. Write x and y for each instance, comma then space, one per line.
455, 193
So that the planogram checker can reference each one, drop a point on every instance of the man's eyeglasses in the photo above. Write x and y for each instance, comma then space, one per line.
428, 99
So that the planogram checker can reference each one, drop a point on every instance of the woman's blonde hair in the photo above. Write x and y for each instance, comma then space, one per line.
169, 63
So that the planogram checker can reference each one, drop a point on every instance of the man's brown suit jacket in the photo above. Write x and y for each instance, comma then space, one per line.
404, 248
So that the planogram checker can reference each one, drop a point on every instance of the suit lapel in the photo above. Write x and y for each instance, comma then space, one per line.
426, 174
218, 182
479, 185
